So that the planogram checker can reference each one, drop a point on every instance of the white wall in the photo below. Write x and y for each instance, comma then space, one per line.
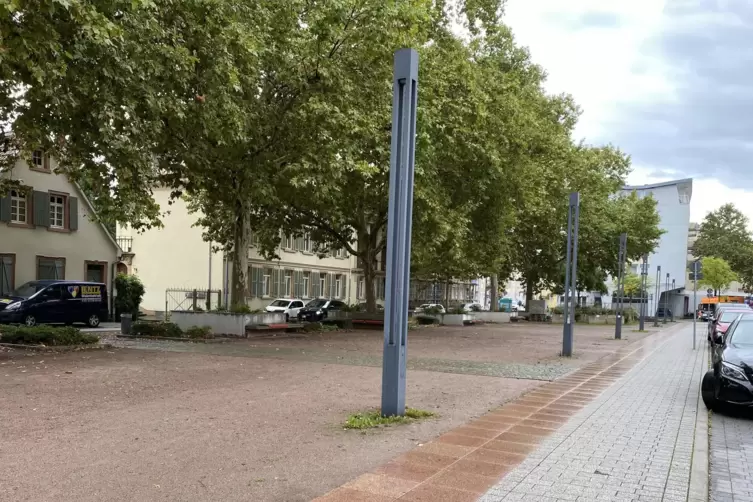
89, 243
175, 256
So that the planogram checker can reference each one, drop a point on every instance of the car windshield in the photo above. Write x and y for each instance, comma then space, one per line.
315, 304
28, 290
743, 334
280, 303
730, 315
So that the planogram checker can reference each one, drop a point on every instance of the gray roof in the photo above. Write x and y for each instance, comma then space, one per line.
658, 185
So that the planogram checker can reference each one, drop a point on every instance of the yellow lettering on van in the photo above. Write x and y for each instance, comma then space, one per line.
90, 291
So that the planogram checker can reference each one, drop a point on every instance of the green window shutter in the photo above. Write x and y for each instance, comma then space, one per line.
275, 278
251, 278
314, 278
41, 209
255, 282
72, 213
296, 284
5, 208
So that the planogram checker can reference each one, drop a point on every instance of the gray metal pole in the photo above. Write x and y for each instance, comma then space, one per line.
644, 299
658, 279
620, 286
695, 289
571, 273
666, 299
402, 165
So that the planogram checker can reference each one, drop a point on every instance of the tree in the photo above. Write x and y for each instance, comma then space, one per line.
724, 234
632, 285
717, 274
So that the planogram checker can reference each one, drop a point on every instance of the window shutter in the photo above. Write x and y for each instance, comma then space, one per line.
314, 279
6, 274
252, 281
5, 208
72, 213
344, 279
297, 284
256, 284
331, 285
41, 209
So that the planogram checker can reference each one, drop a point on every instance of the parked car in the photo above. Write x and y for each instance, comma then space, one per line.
363, 308
429, 307
317, 310
731, 379
55, 302
290, 307
725, 317
471, 307
660, 313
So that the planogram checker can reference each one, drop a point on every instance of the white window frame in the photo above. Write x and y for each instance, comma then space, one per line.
57, 202
306, 284
37, 159
338, 286
288, 283
266, 283
306, 243
323, 285
361, 286
19, 201
288, 241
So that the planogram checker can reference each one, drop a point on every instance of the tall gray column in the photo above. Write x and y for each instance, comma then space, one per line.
402, 159
620, 286
571, 273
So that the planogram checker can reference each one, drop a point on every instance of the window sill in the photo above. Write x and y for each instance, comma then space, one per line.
59, 230
20, 225
309, 253
40, 170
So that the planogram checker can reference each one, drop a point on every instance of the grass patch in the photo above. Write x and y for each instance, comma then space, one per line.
372, 419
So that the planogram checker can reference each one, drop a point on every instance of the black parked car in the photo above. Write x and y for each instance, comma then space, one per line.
731, 379
316, 310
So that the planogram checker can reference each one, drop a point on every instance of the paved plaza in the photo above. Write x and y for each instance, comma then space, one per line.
633, 443
731, 456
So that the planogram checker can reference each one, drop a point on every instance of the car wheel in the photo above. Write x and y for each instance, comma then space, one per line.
30, 320
707, 390
287, 318
93, 321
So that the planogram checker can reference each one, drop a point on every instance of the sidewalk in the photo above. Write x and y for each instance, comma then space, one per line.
634, 442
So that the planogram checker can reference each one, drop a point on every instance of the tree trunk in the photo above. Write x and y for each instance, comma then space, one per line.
239, 277
494, 288
368, 283
367, 243
529, 293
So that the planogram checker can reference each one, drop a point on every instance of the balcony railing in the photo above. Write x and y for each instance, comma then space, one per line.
125, 243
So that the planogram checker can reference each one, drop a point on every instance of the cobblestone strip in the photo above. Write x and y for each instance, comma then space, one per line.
731, 456
633, 443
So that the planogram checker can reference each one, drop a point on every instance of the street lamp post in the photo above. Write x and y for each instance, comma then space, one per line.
658, 276
620, 286
571, 273
644, 293
672, 317
666, 299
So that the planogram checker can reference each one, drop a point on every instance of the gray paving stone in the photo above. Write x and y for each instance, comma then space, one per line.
731, 456
634, 442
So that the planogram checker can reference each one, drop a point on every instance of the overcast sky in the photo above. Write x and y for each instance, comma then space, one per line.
668, 81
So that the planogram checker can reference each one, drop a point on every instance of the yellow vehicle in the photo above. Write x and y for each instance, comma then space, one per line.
708, 305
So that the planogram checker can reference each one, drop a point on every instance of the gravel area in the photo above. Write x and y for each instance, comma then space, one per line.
244, 420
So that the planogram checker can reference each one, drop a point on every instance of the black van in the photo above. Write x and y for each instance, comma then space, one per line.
55, 302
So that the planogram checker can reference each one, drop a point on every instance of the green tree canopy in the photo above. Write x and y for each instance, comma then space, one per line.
717, 273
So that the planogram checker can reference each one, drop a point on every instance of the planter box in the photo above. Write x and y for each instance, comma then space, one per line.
559, 318
597, 319
493, 317
224, 323
458, 319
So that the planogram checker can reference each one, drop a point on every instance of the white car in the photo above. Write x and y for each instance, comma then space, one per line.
290, 307
430, 306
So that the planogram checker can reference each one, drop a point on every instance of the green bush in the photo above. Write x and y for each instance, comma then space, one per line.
163, 329
240, 308
432, 311
558, 310
46, 335
199, 332
130, 291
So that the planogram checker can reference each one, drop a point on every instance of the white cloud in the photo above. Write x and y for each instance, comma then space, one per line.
596, 51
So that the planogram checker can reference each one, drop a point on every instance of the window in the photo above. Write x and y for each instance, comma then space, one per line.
323, 284
57, 211
338, 286
50, 268
7, 273
360, 288
381, 286
296, 305
684, 198
288, 242
19, 207
306, 243
288, 283
95, 271
40, 161
306, 285
266, 282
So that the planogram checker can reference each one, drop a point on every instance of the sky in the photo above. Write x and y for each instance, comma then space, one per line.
669, 82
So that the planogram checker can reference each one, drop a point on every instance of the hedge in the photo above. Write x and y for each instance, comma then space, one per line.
169, 330
46, 335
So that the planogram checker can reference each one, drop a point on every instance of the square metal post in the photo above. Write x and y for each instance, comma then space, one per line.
695, 301
400, 216
571, 273
644, 293
620, 286
658, 293
666, 299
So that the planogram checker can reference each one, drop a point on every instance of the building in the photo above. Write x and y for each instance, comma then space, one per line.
48, 230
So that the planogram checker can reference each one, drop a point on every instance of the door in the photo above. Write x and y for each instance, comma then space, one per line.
295, 307
51, 305
95, 271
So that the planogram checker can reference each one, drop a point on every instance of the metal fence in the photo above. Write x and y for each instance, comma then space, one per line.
192, 299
